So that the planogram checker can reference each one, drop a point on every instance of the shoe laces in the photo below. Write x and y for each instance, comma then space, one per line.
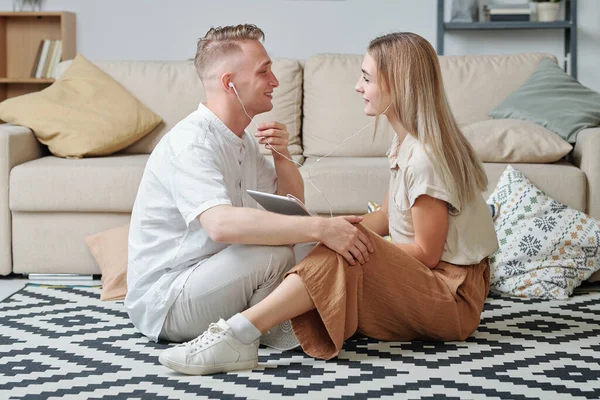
213, 333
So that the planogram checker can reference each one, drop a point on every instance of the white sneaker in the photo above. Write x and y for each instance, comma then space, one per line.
216, 350
280, 337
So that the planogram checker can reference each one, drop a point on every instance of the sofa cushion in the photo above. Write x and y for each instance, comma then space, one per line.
561, 181
104, 184
173, 90
337, 177
347, 182
555, 100
84, 113
516, 141
475, 84
333, 111
107, 184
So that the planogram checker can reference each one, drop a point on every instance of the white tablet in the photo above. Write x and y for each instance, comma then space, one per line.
287, 205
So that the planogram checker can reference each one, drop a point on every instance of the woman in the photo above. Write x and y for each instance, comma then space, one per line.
430, 283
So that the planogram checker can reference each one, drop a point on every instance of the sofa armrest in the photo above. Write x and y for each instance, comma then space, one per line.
586, 156
17, 145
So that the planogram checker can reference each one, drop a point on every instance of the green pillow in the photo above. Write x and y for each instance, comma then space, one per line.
553, 99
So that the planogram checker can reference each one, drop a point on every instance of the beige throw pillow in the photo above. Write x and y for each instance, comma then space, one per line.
109, 249
515, 141
84, 113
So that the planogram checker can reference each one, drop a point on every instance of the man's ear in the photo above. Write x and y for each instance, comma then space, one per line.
225, 81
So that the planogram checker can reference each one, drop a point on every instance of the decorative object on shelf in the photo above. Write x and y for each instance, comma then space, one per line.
547, 10
21, 5
464, 11
508, 12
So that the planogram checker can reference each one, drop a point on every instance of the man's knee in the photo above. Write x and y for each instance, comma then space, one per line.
282, 256
301, 250
267, 256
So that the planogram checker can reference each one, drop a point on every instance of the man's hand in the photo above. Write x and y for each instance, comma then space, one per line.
341, 236
274, 135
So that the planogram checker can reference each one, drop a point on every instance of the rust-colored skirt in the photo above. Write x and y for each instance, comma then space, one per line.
393, 297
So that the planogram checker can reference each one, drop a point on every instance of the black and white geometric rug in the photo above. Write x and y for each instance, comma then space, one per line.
63, 342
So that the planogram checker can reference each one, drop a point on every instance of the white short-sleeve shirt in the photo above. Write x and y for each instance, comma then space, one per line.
197, 165
471, 235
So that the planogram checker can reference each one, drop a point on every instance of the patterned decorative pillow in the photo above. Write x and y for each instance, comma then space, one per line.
546, 249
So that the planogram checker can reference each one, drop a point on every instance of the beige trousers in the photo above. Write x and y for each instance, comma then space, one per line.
228, 283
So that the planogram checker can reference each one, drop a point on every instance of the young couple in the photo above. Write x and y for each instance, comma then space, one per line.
206, 264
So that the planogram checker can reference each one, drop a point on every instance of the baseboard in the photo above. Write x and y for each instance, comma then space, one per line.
64, 279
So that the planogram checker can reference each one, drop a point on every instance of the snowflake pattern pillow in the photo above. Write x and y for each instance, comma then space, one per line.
546, 248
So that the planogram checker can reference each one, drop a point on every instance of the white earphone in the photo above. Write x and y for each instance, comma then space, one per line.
231, 85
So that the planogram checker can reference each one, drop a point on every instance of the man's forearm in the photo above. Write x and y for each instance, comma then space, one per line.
251, 226
289, 179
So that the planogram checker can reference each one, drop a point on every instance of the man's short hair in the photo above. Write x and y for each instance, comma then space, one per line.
221, 41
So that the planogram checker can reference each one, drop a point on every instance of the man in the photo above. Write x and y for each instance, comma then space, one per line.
199, 247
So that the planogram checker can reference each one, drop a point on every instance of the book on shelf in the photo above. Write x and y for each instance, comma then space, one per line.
47, 58
509, 17
508, 12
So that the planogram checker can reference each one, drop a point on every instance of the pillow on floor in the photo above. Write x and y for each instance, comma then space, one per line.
84, 113
546, 248
553, 99
109, 249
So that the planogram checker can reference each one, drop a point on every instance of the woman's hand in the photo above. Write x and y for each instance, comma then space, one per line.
342, 236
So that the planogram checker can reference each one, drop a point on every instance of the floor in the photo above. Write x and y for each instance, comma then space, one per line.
13, 283
63, 342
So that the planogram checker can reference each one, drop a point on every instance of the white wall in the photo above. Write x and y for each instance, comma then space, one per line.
168, 29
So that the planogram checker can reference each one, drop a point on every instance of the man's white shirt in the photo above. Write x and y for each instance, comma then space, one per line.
197, 165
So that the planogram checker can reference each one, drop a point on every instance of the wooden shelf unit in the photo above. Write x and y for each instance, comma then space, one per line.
20, 36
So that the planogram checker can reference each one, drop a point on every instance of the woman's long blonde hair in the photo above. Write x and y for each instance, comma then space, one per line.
408, 67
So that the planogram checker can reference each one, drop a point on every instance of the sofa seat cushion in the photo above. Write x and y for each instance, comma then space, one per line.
103, 184
561, 181
349, 183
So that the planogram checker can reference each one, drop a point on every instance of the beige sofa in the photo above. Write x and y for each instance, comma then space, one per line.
48, 204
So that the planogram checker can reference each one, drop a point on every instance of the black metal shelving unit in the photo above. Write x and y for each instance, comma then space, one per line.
569, 26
